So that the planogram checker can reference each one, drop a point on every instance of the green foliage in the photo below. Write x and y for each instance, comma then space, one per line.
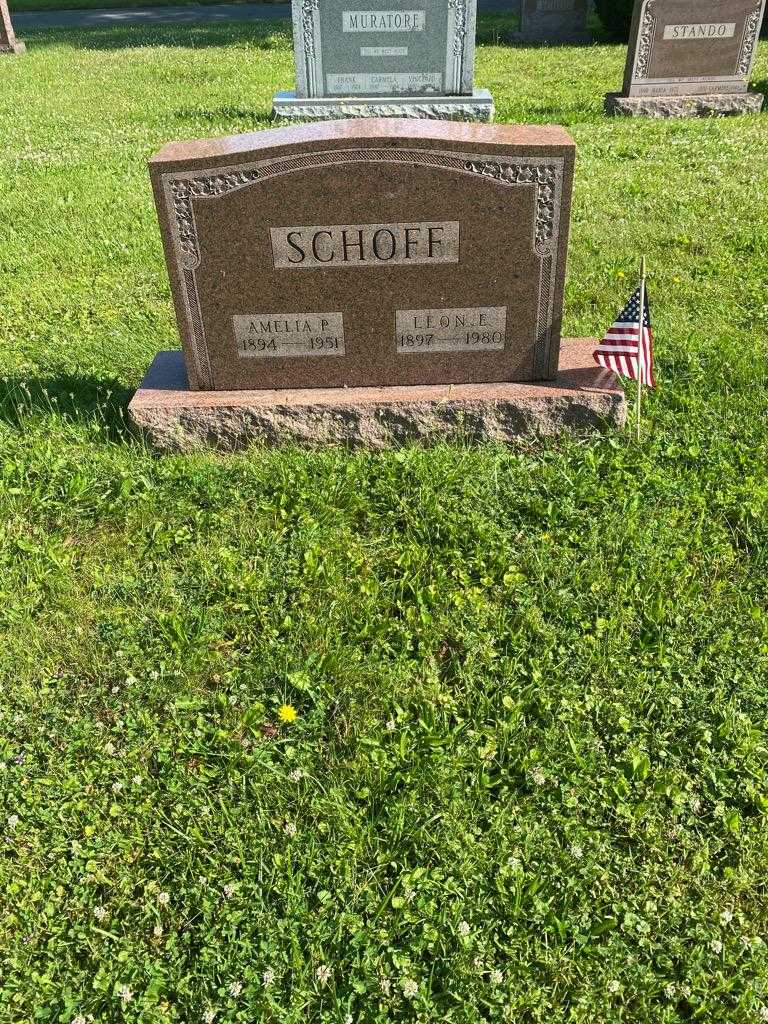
528, 777
616, 17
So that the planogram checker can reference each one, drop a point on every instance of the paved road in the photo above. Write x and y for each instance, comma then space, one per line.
186, 15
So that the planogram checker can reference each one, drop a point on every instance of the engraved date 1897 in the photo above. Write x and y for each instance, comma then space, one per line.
421, 331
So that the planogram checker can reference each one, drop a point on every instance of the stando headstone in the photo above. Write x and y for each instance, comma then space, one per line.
368, 281
8, 41
689, 57
553, 21
384, 58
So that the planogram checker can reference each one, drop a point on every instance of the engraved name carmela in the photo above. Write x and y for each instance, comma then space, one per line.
347, 245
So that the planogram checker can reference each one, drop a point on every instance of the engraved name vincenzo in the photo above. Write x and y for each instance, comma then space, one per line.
349, 245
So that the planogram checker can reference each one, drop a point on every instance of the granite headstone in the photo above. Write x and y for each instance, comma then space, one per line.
690, 57
8, 41
394, 58
367, 253
553, 21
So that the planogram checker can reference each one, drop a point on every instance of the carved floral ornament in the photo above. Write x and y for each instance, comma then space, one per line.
181, 192
647, 33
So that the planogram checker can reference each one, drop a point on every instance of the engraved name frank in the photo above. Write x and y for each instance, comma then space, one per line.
704, 30
347, 245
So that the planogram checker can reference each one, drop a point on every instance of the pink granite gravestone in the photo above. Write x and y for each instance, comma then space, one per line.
8, 41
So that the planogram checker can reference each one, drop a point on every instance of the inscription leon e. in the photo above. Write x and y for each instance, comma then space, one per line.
345, 245
281, 335
478, 329
705, 30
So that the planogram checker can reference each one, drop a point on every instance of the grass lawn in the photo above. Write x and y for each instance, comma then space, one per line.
72, 5
527, 780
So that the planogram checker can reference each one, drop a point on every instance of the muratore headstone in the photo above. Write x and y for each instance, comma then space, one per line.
8, 41
360, 275
397, 58
553, 21
689, 57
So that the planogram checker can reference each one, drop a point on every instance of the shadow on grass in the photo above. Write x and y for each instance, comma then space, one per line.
270, 35
77, 399
761, 86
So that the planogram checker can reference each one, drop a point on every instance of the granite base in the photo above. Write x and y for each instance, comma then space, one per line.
15, 47
583, 397
719, 105
477, 107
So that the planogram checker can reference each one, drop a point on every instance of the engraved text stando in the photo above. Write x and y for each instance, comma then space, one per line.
449, 234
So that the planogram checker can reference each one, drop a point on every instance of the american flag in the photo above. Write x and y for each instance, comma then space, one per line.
620, 350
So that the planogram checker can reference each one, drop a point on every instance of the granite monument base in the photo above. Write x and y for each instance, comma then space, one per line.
477, 107
583, 397
711, 105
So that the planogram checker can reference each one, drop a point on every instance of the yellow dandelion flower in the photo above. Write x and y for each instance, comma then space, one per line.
287, 713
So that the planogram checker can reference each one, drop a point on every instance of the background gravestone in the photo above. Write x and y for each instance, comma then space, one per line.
398, 58
553, 21
8, 41
689, 57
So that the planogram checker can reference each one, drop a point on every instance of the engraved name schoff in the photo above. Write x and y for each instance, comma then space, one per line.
350, 245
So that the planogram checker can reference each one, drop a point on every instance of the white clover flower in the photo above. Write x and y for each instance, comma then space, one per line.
391, 725
539, 777
762, 1013
695, 804
497, 977
410, 988
289, 828
726, 917
109, 748
349, 1019
716, 946
13, 821
163, 898
79, 1019
409, 895
685, 991
235, 989
116, 787
385, 985
323, 974
613, 986
229, 890
202, 880
746, 942
670, 991
464, 929
296, 775
100, 913
157, 931
268, 977
125, 994
577, 851
137, 780
209, 1016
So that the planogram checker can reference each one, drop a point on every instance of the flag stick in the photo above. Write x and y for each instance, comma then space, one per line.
640, 347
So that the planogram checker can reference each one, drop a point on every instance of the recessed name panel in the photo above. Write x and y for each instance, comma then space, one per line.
707, 30
281, 335
477, 329
384, 21
371, 245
